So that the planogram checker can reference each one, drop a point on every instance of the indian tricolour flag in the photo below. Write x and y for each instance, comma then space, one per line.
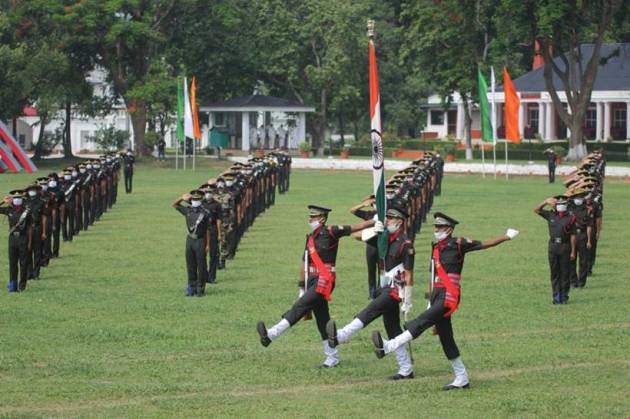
378, 166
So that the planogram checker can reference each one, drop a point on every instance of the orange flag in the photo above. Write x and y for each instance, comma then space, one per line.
512, 104
195, 113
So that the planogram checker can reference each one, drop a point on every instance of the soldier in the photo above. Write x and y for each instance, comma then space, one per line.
448, 261
396, 288
68, 188
562, 244
197, 219
214, 225
552, 159
78, 203
58, 203
35, 204
47, 220
224, 198
20, 234
583, 234
318, 282
129, 160
371, 252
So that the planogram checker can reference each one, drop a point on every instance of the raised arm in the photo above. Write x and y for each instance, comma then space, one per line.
360, 226
539, 207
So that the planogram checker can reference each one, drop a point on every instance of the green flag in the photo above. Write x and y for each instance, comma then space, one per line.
484, 107
180, 111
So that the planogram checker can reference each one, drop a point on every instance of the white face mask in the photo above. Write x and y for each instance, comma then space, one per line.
389, 195
67, 177
561, 207
440, 235
195, 203
220, 185
52, 184
208, 196
89, 166
314, 225
97, 166
129, 153
229, 183
82, 171
17, 201
578, 201
44, 187
392, 228
32, 193
75, 174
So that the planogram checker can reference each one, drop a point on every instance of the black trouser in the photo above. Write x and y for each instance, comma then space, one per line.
18, 259
593, 251
371, 258
552, 173
47, 243
87, 209
213, 255
311, 300
67, 224
56, 230
78, 215
578, 279
559, 265
434, 316
196, 264
128, 180
34, 259
383, 305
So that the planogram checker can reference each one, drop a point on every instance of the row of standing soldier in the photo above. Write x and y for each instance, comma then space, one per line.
219, 212
60, 205
575, 223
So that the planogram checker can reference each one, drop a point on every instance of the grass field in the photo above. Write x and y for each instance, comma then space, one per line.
108, 332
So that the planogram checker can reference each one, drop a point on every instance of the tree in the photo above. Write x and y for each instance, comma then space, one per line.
563, 28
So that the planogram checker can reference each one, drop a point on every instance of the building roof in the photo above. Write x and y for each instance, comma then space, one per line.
613, 73
257, 102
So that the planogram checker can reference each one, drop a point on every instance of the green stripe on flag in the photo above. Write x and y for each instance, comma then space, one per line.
180, 111
484, 107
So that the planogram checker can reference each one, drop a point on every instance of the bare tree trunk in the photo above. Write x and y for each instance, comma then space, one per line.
138, 113
318, 142
39, 147
467, 129
67, 140
342, 128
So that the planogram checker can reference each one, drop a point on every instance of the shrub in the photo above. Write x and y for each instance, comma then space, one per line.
110, 139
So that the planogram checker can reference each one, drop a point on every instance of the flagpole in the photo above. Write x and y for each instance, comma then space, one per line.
507, 176
494, 123
483, 161
176, 154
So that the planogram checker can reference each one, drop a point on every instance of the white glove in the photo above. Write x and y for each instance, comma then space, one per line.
406, 300
379, 227
511, 233
301, 293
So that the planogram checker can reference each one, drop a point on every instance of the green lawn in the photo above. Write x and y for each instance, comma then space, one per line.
108, 332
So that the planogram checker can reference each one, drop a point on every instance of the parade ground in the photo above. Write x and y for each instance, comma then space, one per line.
108, 332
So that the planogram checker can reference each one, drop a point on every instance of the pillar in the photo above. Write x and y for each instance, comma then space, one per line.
628, 121
522, 115
301, 128
550, 117
459, 130
600, 121
245, 131
541, 120
607, 118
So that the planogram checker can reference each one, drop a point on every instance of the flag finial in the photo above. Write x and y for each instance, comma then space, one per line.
370, 28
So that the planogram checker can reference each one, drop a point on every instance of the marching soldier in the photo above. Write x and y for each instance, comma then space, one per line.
447, 261
20, 234
197, 219
396, 288
128, 161
317, 280
562, 244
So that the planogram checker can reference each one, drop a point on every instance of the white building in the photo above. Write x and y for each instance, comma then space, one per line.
607, 117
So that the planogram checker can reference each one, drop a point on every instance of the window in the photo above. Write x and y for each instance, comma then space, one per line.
84, 137
437, 117
533, 118
22, 140
619, 118
590, 119
219, 119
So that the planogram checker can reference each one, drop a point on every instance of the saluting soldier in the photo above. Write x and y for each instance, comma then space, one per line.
197, 219
583, 234
318, 282
395, 288
447, 262
562, 244
552, 159
35, 204
20, 234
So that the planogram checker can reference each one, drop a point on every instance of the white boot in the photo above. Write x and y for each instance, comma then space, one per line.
332, 356
461, 376
393, 344
405, 367
278, 329
349, 330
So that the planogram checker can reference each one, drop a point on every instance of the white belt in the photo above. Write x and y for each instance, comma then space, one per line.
315, 270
